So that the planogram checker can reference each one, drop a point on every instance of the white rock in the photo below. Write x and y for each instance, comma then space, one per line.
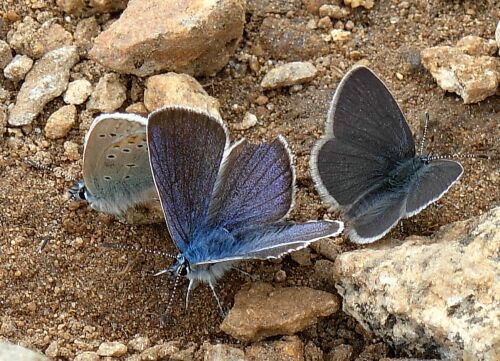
108, 95
18, 67
113, 349
439, 293
87, 356
78, 91
47, 80
221, 352
289, 74
367, 4
339, 35
249, 120
60, 122
13, 352
474, 78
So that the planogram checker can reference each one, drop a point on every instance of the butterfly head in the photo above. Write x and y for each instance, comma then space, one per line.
181, 266
78, 191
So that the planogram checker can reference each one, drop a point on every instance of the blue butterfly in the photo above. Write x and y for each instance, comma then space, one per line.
222, 203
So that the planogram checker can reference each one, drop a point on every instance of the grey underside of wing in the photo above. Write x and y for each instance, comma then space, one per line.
366, 114
347, 172
254, 187
186, 149
431, 182
116, 165
273, 241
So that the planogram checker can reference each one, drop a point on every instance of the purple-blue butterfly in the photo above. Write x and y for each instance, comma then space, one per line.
223, 203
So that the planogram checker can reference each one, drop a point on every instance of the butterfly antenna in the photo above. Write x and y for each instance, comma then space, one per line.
37, 165
424, 136
45, 168
126, 247
457, 156
172, 294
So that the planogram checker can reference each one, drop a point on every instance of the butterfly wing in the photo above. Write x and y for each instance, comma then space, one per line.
366, 134
272, 241
342, 172
116, 168
255, 186
374, 215
186, 148
431, 183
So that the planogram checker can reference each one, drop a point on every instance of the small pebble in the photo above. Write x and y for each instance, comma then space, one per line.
18, 67
113, 349
340, 35
78, 91
60, 122
249, 120
261, 100
280, 276
399, 76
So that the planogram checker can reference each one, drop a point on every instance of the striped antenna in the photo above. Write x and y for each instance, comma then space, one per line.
424, 136
37, 165
172, 295
45, 168
126, 247
457, 156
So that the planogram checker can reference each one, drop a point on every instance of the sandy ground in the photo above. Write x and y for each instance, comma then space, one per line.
81, 294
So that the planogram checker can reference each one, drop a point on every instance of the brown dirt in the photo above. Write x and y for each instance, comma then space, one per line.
81, 294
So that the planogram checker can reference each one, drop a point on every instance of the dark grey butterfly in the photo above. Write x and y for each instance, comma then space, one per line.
223, 204
366, 163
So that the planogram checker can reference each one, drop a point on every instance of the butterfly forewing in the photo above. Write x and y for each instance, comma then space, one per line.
116, 166
346, 172
431, 183
255, 186
186, 149
274, 240
364, 113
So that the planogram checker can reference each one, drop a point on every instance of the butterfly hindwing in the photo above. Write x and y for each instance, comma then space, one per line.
431, 183
186, 148
116, 168
273, 240
255, 186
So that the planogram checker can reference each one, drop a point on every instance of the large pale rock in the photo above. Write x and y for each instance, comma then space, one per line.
440, 293
474, 78
13, 352
261, 311
30, 38
178, 89
47, 80
289, 74
194, 37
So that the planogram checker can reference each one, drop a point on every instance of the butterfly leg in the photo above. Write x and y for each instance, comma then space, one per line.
221, 310
192, 285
